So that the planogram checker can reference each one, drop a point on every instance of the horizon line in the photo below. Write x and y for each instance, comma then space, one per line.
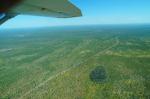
103, 24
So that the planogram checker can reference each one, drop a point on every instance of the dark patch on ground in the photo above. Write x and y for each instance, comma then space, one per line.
98, 75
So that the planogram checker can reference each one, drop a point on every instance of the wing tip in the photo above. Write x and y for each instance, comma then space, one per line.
74, 11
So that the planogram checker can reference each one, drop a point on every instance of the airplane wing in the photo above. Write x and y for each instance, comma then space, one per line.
49, 8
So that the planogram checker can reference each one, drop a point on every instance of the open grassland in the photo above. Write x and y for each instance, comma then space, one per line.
57, 63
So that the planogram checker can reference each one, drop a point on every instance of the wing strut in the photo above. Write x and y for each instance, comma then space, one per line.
5, 17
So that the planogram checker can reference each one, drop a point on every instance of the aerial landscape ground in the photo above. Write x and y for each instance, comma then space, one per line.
64, 62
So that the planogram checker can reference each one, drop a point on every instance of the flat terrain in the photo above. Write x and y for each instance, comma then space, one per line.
57, 63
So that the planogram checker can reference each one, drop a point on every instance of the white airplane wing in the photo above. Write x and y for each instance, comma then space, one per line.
49, 8
54, 8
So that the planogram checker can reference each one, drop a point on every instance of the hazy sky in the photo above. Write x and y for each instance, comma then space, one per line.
94, 12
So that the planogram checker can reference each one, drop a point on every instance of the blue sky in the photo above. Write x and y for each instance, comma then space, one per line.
94, 12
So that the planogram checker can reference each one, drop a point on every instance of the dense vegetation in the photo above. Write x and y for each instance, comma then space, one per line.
98, 75
56, 63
